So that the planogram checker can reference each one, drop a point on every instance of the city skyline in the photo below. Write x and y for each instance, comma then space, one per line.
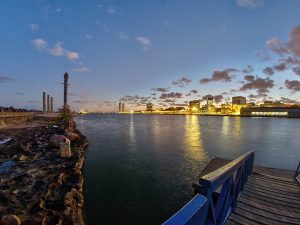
165, 52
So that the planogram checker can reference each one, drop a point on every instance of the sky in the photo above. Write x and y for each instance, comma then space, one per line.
167, 52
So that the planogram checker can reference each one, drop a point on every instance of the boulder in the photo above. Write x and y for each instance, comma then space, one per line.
72, 136
63, 143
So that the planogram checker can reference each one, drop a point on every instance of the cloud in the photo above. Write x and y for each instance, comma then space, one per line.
268, 71
88, 36
20, 93
252, 4
259, 95
249, 78
248, 69
217, 76
181, 82
144, 41
161, 89
259, 84
294, 41
82, 69
39, 44
297, 70
171, 95
111, 11
280, 67
291, 60
276, 46
292, 85
218, 98
123, 36
5, 79
34, 27
57, 50
262, 55
288, 100
194, 91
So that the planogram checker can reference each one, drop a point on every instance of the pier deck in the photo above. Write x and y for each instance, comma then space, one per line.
270, 196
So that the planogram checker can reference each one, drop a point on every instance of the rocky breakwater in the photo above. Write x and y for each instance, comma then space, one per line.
40, 174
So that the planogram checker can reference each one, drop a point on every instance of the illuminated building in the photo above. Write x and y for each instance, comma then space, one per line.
238, 100
194, 106
149, 106
271, 111
123, 107
209, 101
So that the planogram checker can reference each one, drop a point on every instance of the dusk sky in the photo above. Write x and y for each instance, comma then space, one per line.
166, 52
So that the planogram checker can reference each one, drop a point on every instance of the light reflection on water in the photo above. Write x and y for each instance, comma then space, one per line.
139, 169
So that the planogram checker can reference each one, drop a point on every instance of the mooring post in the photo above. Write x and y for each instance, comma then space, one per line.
48, 103
44, 102
51, 104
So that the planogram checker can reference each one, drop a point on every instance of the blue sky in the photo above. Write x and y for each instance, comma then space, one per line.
127, 49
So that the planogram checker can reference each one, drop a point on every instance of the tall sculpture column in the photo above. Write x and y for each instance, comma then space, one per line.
44, 102
66, 77
51, 104
48, 103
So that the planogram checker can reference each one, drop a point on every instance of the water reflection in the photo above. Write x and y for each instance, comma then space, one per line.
193, 139
132, 140
226, 126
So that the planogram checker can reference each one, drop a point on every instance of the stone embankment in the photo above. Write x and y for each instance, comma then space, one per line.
39, 184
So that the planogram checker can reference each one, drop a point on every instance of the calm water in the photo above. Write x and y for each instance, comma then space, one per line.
139, 168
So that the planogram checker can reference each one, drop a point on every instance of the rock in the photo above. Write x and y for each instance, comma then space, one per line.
70, 125
65, 150
10, 220
72, 136
23, 158
25, 147
63, 143
55, 140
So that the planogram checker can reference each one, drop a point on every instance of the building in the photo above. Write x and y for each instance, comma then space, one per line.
271, 111
209, 101
239, 100
149, 106
121, 107
194, 106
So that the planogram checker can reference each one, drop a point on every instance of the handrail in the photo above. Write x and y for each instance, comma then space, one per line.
193, 213
217, 194
219, 176
223, 187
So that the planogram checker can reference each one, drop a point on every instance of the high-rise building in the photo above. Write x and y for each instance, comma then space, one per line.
194, 106
209, 101
239, 100
123, 107
120, 107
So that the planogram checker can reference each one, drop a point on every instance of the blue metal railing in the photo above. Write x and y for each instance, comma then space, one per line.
217, 194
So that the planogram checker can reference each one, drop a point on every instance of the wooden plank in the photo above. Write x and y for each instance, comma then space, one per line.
242, 220
274, 180
258, 219
279, 179
267, 214
269, 204
274, 195
269, 208
272, 202
274, 198
275, 191
232, 222
254, 181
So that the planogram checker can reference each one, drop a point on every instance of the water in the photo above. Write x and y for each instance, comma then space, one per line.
139, 168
